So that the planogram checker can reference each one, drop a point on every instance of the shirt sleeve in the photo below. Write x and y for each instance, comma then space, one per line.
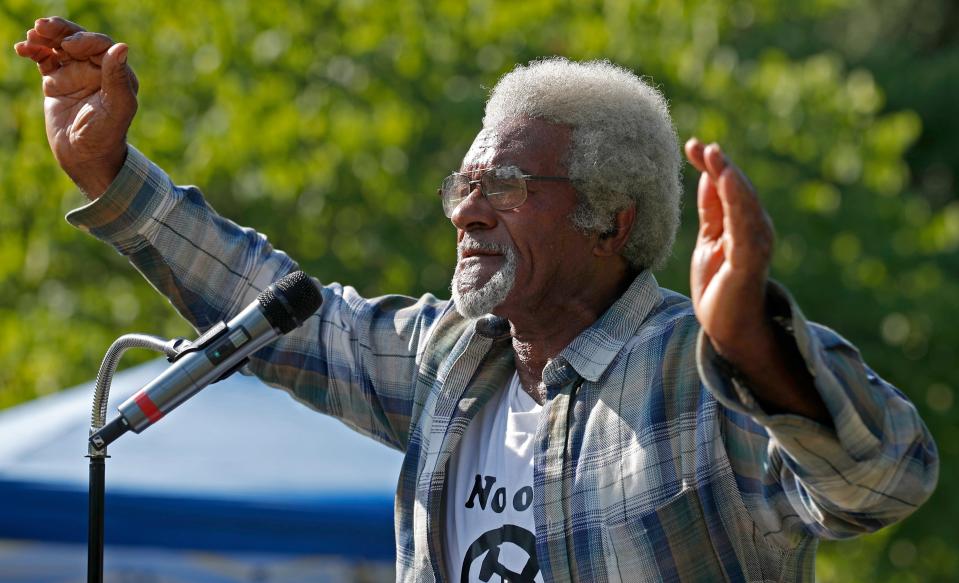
874, 466
355, 358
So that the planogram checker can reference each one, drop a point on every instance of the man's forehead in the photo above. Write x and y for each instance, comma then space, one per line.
491, 140
520, 142
486, 137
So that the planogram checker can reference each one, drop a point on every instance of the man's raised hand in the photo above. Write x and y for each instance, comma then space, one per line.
729, 276
89, 99
730, 264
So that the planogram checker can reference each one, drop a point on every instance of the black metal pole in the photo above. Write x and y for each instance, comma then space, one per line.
95, 531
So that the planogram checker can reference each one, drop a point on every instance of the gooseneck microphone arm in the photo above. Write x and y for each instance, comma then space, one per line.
101, 392
215, 355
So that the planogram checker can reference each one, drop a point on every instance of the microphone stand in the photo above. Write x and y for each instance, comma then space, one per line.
97, 456
278, 309
95, 518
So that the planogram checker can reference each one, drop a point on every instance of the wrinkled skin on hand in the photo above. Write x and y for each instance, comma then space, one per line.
729, 283
89, 99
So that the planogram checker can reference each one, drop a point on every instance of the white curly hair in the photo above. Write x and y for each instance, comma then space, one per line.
624, 149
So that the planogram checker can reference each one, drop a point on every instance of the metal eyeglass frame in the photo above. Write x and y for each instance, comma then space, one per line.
479, 181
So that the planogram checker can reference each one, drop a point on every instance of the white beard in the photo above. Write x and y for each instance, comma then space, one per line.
472, 301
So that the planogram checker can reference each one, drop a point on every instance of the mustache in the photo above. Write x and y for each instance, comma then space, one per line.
470, 244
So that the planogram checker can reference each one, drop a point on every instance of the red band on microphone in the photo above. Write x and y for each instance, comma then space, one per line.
148, 407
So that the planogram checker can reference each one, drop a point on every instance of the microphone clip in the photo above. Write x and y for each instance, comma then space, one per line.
182, 347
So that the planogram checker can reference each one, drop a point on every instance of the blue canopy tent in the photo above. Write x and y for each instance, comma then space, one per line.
240, 479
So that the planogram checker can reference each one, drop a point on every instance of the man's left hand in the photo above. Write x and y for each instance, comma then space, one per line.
730, 265
729, 277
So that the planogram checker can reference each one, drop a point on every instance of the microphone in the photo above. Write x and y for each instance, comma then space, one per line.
217, 354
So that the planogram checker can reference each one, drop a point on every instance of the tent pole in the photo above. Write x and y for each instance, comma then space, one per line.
95, 531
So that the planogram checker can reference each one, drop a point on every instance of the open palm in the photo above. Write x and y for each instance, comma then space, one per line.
730, 265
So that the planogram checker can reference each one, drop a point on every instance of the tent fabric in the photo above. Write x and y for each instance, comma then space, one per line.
32, 562
240, 467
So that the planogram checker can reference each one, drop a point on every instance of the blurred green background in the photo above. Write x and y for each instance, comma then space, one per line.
328, 125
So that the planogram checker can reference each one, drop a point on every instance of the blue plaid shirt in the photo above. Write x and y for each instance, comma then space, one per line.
649, 465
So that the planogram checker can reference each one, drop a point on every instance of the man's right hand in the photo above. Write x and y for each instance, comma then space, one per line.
89, 99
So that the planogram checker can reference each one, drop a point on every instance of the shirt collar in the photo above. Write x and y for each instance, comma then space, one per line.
591, 353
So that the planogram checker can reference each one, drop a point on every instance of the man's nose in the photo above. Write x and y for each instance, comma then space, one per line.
474, 212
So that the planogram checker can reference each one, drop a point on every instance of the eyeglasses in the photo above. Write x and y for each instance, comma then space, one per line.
504, 187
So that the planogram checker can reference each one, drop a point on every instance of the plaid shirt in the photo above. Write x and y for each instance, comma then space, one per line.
649, 464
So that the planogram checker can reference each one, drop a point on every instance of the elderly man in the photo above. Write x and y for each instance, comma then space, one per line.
563, 417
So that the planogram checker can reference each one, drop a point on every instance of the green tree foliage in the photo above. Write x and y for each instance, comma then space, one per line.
329, 124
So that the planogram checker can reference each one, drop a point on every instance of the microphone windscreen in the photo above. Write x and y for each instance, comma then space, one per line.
289, 301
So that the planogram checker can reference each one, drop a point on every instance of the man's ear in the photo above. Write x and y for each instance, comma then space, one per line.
613, 241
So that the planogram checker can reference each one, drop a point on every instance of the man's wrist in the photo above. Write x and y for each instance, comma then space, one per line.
761, 335
94, 177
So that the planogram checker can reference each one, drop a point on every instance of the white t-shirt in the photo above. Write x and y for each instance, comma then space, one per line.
491, 535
